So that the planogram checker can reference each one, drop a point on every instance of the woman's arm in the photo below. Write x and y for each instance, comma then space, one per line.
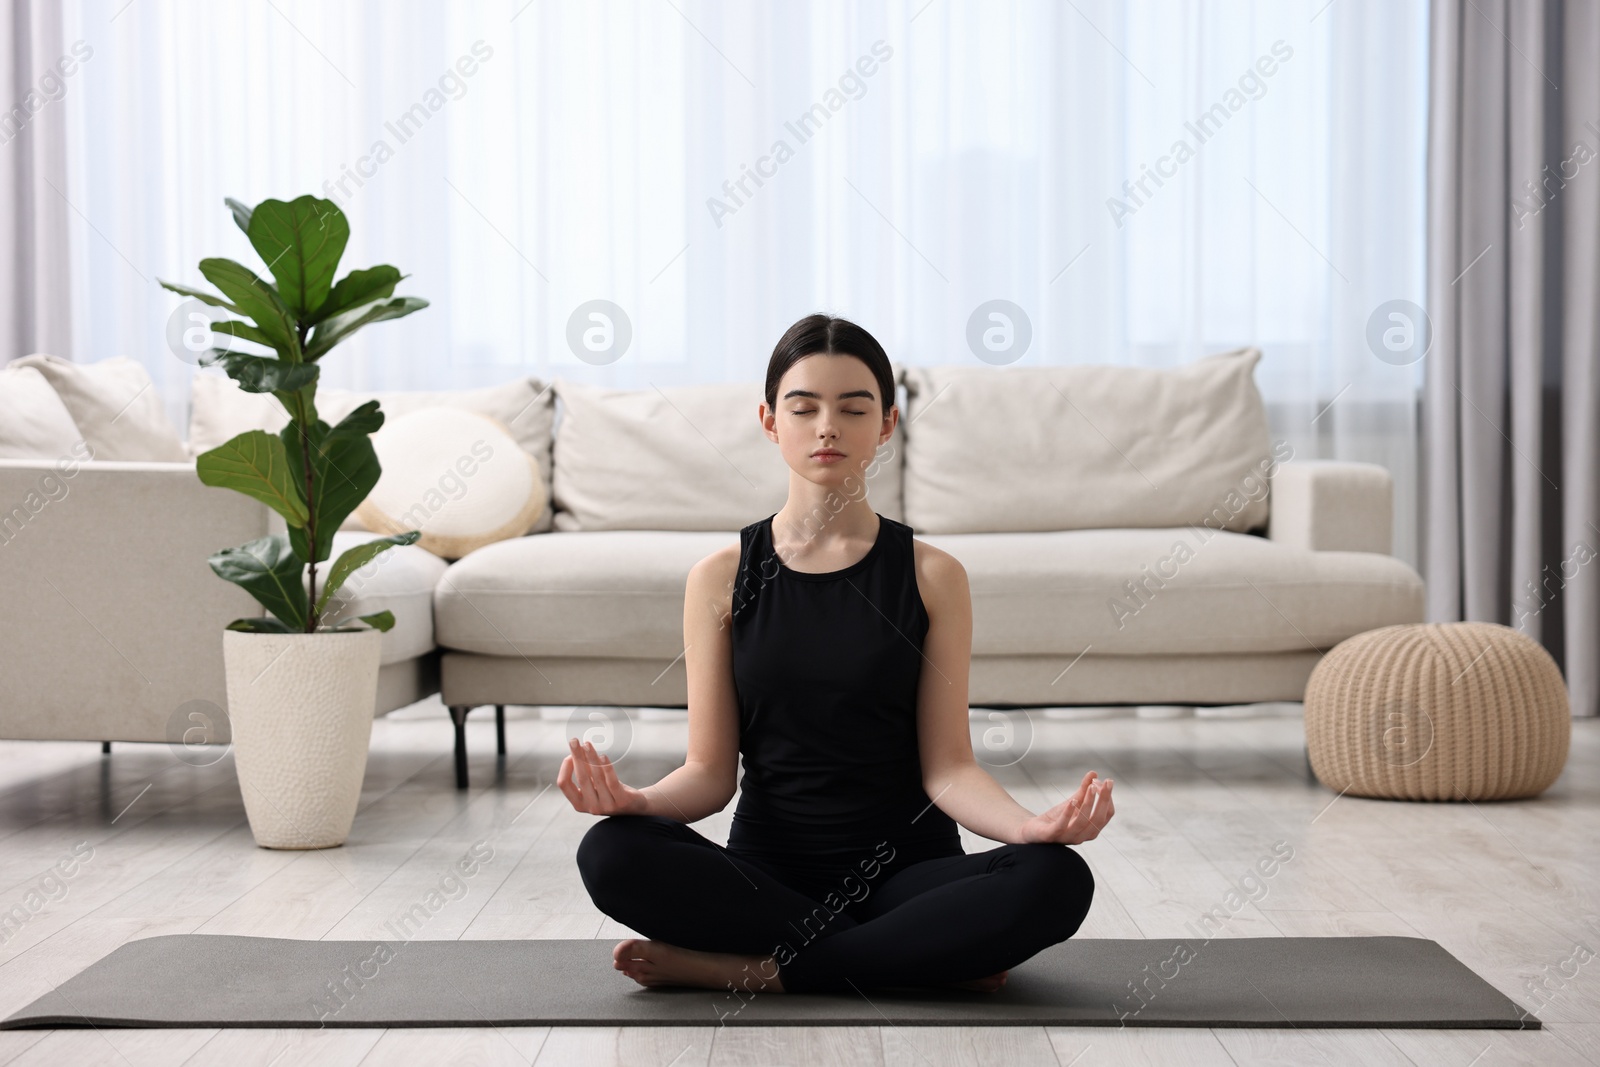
953, 778
708, 778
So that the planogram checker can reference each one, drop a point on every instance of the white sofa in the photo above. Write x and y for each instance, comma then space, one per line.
114, 619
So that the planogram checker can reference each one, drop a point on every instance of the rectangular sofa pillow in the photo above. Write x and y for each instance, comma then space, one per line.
1079, 447
34, 423
688, 457
114, 404
525, 406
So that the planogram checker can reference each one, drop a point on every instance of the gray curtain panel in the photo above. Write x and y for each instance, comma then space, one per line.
1511, 438
34, 278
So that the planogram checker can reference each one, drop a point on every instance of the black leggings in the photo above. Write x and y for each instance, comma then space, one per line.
883, 919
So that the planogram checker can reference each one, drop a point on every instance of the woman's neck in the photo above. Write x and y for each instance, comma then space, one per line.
824, 533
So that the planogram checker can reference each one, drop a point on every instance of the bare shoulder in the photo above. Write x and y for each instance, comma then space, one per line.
711, 579
723, 563
941, 579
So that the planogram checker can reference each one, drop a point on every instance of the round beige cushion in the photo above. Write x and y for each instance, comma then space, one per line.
456, 475
1438, 711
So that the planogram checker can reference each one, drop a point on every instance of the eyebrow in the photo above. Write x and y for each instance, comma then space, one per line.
867, 393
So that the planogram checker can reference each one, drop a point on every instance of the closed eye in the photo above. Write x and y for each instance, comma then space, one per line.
809, 411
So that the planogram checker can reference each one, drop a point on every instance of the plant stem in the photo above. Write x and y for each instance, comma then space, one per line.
311, 507
311, 528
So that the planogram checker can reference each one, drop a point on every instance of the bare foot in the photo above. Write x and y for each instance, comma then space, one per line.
653, 963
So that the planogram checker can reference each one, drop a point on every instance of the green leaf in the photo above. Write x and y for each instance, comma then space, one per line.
241, 213
264, 624
336, 329
265, 374
256, 464
270, 572
200, 294
381, 620
301, 242
357, 288
344, 468
242, 330
293, 401
366, 419
353, 559
256, 299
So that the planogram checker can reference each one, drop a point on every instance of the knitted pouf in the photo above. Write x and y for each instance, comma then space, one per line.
1438, 711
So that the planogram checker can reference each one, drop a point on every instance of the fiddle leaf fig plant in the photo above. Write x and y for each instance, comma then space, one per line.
312, 474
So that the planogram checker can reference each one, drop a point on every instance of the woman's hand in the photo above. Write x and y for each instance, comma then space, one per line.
590, 783
1076, 819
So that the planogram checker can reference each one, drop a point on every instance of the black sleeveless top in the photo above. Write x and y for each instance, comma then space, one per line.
827, 667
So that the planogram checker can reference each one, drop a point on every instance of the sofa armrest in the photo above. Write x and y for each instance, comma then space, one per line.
113, 618
1325, 505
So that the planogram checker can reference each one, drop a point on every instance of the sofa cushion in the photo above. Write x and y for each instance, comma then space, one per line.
1175, 590
401, 579
583, 593
34, 423
219, 410
115, 406
680, 458
1086, 447
455, 476
619, 593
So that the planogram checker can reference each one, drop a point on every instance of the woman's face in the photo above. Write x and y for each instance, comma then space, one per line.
828, 401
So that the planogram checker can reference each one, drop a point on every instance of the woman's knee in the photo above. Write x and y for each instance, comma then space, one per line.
611, 848
1061, 886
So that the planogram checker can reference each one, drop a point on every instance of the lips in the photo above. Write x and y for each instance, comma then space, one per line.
826, 452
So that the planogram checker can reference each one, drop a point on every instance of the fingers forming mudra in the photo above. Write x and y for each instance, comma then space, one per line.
1083, 815
589, 780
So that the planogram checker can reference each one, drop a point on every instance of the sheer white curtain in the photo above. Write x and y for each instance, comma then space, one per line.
36, 70
717, 170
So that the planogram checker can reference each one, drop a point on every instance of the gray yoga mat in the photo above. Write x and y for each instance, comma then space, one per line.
205, 980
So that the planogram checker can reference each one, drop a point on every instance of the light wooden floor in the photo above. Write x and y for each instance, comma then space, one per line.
1512, 889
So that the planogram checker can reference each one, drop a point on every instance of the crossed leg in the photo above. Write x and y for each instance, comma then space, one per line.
941, 921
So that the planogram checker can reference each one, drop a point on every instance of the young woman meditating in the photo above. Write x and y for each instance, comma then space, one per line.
832, 649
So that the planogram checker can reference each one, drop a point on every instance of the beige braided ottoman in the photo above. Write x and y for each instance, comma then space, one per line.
1438, 711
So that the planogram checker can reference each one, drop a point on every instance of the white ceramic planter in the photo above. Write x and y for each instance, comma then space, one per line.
300, 706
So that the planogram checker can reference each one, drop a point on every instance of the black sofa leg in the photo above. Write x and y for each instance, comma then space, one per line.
500, 728
105, 748
458, 715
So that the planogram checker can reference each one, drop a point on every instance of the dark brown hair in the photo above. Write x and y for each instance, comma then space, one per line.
820, 333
